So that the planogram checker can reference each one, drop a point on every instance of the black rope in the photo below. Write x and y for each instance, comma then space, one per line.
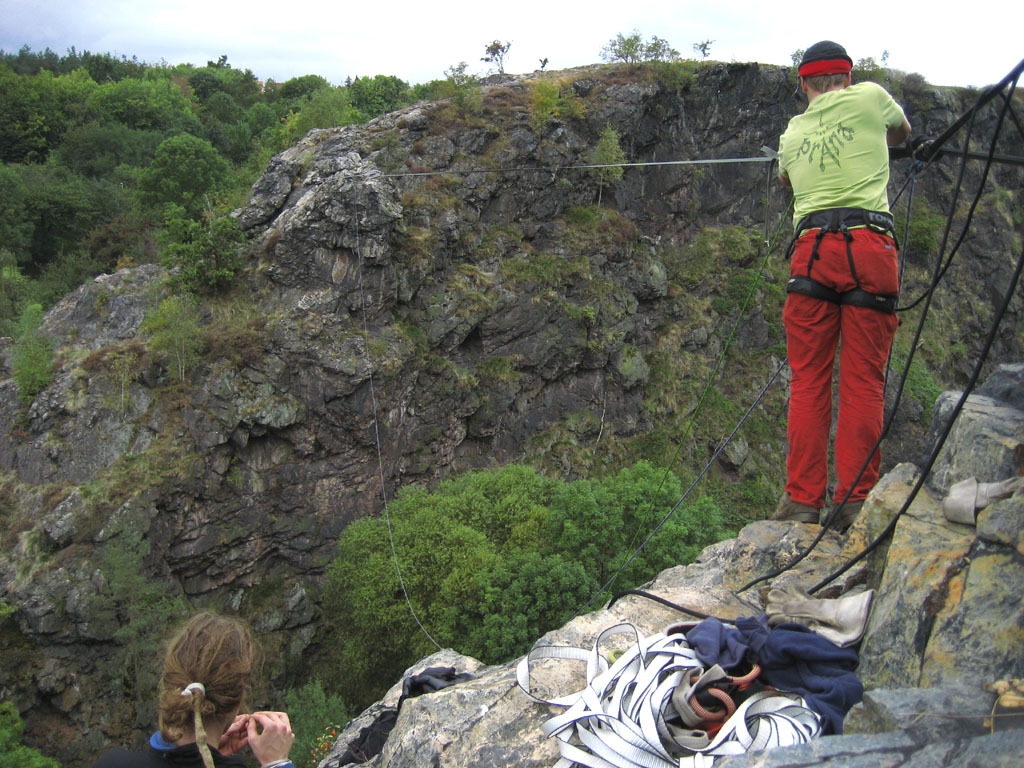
659, 599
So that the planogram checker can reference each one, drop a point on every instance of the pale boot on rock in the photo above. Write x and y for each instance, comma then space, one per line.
791, 511
844, 518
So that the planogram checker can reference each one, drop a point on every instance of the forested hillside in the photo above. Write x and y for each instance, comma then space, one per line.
110, 162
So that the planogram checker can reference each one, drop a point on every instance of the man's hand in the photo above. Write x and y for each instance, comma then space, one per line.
921, 148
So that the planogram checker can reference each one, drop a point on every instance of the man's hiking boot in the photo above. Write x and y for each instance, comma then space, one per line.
844, 519
791, 511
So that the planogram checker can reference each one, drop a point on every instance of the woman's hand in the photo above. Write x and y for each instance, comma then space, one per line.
234, 739
269, 735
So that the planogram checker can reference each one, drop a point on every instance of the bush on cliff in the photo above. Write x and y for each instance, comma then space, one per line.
491, 560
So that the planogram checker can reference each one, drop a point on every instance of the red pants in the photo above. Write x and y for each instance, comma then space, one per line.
814, 328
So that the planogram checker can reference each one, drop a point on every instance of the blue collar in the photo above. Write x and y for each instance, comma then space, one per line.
156, 741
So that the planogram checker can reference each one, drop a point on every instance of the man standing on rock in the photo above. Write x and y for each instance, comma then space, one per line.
844, 281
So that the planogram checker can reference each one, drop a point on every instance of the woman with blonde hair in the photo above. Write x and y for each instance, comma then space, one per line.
207, 673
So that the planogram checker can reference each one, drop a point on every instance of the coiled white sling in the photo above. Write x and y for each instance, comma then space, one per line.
625, 716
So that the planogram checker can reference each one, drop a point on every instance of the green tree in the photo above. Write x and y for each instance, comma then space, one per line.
13, 751
223, 108
206, 255
549, 101
379, 94
491, 560
204, 84
521, 598
311, 711
126, 240
463, 89
657, 49
302, 87
16, 225
95, 150
33, 116
185, 171
326, 108
62, 209
103, 67
495, 53
59, 277
869, 69
607, 159
152, 104
703, 48
261, 118
174, 333
124, 367
226, 127
14, 288
602, 523
363, 602
631, 49
443, 542
32, 361
25, 62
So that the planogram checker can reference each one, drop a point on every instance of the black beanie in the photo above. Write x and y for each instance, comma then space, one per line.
825, 50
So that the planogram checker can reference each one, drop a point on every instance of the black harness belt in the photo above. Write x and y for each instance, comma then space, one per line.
856, 297
839, 221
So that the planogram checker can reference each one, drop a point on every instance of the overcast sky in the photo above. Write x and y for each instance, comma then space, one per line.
972, 44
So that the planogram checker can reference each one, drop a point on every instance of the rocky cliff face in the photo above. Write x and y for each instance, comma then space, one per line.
431, 292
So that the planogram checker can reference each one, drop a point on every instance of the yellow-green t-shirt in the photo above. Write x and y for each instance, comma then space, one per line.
835, 154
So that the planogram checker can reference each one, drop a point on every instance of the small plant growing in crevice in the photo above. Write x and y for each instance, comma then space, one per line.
33, 355
174, 333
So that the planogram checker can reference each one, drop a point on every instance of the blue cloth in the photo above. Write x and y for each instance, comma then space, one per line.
797, 659
715, 643
792, 658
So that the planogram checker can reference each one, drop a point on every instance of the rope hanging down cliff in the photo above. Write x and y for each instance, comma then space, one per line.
380, 458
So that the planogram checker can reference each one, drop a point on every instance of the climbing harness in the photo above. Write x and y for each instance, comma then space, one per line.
841, 221
657, 706
855, 297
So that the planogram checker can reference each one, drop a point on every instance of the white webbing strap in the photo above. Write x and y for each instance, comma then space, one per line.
621, 718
